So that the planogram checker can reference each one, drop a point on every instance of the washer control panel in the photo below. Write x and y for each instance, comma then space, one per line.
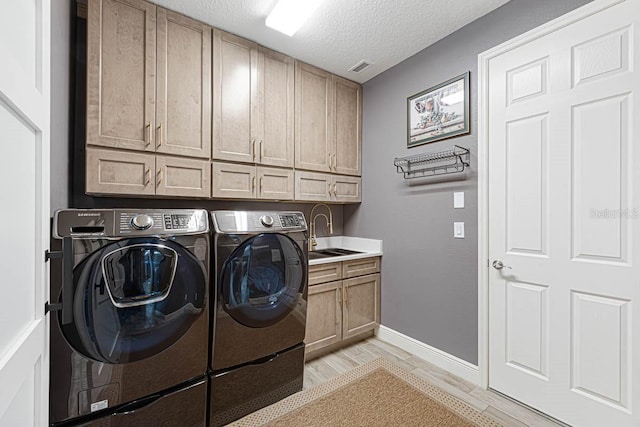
92, 223
162, 222
256, 222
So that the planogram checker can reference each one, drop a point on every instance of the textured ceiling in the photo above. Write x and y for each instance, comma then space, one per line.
342, 32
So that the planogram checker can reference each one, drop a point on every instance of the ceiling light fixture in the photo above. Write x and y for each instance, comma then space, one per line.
289, 15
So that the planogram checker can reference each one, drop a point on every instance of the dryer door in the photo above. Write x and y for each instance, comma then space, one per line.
263, 279
134, 298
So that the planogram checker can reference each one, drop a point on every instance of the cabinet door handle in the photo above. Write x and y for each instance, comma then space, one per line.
339, 296
335, 190
346, 295
253, 183
261, 178
330, 162
147, 176
253, 148
335, 162
159, 177
149, 136
159, 137
261, 150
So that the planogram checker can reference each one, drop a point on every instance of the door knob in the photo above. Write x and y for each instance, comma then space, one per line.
498, 265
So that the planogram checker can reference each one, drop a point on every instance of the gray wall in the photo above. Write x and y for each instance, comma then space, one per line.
61, 12
429, 279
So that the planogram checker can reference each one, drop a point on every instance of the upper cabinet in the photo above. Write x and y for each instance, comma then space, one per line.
347, 134
176, 108
183, 112
235, 98
253, 103
276, 114
121, 70
135, 52
326, 187
328, 122
314, 115
148, 89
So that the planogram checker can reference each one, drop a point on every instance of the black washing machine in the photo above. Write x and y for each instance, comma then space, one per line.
260, 286
129, 335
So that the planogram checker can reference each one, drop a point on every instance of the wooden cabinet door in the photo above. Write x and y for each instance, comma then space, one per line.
346, 189
348, 127
312, 186
324, 316
183, 113
313, 118
180, 177
361, 307
121, 69
275, 183
276, 108
233, 181
235, 98
321, 273
360, 267
119, 172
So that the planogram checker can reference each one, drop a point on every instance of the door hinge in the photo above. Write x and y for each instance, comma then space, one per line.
52, 307
65, 305
52, 255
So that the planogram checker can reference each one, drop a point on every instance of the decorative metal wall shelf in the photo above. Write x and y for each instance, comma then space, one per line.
431, 164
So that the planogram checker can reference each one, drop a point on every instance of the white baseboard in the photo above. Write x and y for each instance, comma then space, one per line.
452, 364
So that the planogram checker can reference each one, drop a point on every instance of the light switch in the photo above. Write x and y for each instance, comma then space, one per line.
458, 200
458, 230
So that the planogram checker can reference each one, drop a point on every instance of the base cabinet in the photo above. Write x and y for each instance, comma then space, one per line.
341, 309
324, 315
361, 305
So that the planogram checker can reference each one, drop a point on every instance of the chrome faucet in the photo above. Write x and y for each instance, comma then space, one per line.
312, 239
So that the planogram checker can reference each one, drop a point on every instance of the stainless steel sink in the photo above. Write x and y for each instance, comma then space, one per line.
317, 255
331, 252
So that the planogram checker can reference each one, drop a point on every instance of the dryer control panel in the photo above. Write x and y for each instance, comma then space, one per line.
241, 222
129, 222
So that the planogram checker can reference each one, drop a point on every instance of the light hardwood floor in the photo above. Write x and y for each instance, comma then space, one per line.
491, 404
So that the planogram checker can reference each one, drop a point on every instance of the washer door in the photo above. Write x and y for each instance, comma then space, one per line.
134, 298
263, 279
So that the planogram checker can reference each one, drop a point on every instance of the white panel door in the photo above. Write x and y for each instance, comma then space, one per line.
24, 219
564, 206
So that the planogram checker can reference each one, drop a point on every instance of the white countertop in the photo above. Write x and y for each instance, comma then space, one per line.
368, 247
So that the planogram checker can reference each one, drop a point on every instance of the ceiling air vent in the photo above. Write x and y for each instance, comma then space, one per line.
361, 66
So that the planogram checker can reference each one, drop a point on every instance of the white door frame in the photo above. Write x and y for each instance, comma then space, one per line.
483, 162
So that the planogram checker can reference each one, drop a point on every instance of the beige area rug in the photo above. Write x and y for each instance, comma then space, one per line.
377, 393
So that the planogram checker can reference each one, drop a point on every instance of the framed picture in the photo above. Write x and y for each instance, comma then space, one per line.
439, 112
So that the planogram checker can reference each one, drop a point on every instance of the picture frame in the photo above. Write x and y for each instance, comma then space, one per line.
438, 113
